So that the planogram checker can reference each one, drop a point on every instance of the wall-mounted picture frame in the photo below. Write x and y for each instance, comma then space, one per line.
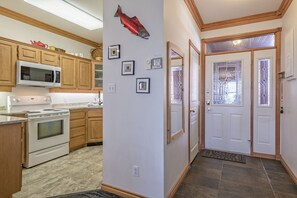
128, 68
114, 52
143, 85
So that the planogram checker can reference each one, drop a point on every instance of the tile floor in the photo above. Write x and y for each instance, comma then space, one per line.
258, 178
81, 170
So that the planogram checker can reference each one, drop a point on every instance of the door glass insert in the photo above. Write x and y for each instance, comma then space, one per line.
176, 81
50, 129
264, 82
227, 83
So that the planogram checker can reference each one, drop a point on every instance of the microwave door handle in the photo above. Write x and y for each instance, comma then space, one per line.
55, 76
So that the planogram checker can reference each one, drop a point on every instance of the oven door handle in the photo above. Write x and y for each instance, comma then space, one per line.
47, 117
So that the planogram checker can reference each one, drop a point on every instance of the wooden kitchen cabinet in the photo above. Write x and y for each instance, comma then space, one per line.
77, 129
10, 160
68, 69
8, 57
95, 126
97, 67
84, 68
29, 54
50, 58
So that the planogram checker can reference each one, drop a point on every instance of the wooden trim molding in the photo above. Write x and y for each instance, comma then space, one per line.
288, 169
28, 20
5, 89
120, 192
265, 156
195, 13
202, 95
173, 190
237, 21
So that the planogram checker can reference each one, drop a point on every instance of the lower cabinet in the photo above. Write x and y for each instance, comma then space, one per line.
77, 129
95, 126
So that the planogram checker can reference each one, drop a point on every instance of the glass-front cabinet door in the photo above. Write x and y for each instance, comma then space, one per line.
98, 74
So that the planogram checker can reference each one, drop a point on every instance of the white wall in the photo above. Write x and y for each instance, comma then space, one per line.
289, 125
179, 28
133, 123
23, 32
265, 25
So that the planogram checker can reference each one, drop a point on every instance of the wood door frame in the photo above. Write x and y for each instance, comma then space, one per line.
277, 33
192, 45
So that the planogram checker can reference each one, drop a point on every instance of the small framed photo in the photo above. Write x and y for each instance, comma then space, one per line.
128, 67
114, 52
143, 85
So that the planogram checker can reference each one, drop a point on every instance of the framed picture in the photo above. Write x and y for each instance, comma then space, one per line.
143, 85
114, 52
128, 67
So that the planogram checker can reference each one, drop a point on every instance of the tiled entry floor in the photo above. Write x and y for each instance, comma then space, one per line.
258, 178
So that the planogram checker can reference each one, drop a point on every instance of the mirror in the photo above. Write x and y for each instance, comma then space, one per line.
175, 92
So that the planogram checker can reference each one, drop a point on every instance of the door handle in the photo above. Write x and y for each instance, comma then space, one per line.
192, 111
208, 102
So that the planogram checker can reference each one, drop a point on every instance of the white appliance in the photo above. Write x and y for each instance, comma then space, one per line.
38, 74
47, 135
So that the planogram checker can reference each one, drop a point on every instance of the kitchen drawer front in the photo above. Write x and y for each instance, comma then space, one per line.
77, 142
77, 131
50, 58
74, 115
28, 54
77, 123
95, 113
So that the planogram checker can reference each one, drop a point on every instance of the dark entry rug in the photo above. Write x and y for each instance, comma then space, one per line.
224, 156
89, 194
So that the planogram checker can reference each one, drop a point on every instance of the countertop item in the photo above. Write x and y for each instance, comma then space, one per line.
11, 120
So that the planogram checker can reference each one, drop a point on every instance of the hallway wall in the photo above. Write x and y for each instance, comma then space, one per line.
289, 124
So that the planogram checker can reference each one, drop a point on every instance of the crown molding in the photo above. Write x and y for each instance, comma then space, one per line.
238, 21
28, 20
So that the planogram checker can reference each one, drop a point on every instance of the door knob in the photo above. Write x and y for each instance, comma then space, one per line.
207, 102
192, 110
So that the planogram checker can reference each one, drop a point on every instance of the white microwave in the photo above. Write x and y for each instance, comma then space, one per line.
40, 75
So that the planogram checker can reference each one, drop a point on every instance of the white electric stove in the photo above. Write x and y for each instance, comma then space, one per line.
47, 135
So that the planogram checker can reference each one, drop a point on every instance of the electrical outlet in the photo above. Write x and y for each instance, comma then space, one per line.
135, 171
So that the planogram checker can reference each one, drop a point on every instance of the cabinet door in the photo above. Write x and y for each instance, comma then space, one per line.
95, 129
97, 75
84, 74
8, 56
49, 58
29, 54
68, 70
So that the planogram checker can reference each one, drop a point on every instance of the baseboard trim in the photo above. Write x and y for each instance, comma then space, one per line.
120, 192
287, 167
265, 156
178, 182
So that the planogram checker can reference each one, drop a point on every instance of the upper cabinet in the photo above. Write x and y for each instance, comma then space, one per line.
68, 70
97, 74
29, 54
84, 74
8, 57
50, 58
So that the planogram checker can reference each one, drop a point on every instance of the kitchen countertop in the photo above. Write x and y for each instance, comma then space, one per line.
11, 120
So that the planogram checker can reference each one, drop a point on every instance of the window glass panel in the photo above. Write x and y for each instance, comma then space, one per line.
227, 83
264, 82
50, 129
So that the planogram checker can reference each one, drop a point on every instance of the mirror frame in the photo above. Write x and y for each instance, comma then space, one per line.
173, 47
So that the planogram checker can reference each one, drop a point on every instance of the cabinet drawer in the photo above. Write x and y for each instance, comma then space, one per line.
28, 54
49, 58
77, 123
74, 115
95, 113
77, 142
77, 131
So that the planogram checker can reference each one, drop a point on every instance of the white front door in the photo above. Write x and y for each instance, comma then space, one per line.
194, 103
228, 102
264, 101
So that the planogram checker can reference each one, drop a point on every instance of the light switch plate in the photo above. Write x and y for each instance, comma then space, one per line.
111, 88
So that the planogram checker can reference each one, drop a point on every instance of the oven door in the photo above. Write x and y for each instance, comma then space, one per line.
48, 131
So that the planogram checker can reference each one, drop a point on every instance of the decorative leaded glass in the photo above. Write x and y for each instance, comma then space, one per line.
227, 83
264, 82
176, 88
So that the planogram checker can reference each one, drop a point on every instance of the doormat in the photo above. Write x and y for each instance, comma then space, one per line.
224, 156
89, 194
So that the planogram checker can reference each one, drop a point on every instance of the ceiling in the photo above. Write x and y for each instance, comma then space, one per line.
94, 7
221, 10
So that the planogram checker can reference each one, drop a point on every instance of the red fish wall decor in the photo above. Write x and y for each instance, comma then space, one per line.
132, 24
